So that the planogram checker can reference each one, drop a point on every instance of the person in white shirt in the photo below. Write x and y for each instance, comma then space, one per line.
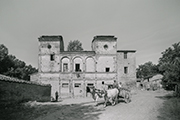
120, 84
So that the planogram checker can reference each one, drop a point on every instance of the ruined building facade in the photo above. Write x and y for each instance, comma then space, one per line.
71, 73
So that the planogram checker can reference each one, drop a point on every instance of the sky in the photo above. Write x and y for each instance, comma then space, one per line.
147, 26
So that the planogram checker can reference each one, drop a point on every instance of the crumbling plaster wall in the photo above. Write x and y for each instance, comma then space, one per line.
93, 64
100, 47
47, 51
51, 78
130, 63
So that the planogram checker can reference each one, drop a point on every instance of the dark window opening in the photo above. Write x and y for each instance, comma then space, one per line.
65, 67
77, 68
88, 89
125, 55
125, 70
105, 47
77, 84
90, 84
107, 69
49, 46
52, 57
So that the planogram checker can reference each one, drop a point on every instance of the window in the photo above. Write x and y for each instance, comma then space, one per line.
107, 69
65, 67
105, 47
125, 70
77, 67
125, 55
65, 85
77, 84
90, 84
52, 57
49, 46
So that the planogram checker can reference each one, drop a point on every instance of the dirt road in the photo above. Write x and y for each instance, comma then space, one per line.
144, 106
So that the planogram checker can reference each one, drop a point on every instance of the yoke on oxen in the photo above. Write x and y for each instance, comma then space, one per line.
96, 93
109, 95
123, 92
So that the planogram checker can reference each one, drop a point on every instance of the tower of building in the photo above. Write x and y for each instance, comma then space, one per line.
50, 48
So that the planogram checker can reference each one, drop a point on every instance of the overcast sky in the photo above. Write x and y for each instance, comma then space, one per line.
147, 26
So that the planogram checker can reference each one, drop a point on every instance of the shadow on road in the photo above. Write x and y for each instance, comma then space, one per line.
166, 97
46, 112
56, 111
109, 104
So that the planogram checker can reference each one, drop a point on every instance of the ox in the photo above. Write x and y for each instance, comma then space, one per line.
111, 95
96, 93
125, 94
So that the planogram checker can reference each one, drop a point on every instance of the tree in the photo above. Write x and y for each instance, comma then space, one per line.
75, 45
147, 70
3, 57
169, 64
13, 67
3, 52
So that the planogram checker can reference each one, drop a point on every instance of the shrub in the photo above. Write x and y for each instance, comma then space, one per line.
130, 85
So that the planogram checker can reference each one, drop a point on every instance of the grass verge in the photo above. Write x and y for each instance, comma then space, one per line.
170, 109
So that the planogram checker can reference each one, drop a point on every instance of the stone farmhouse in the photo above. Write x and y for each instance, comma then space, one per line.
72, 73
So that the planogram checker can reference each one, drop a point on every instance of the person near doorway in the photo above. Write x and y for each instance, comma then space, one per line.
56, 95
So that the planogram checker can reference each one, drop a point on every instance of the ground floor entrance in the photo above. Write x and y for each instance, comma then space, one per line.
75, 88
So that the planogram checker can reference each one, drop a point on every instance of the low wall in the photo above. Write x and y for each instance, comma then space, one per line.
15, 91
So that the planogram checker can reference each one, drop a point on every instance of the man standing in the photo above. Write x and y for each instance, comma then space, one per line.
56, 95
120, 84
115, 84
104, 87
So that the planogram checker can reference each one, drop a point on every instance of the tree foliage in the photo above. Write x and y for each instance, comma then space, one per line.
13, 67
147, 70
169, 63
75, 45
3, 52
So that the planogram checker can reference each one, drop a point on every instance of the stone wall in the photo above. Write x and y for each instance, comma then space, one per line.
14, 91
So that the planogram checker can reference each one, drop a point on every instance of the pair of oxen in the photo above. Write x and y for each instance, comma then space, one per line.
111, 95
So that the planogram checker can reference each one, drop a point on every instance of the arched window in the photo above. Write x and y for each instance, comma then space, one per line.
65, 64
90, 65
77, 64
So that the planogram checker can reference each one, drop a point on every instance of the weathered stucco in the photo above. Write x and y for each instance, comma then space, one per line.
71, 73
129, 62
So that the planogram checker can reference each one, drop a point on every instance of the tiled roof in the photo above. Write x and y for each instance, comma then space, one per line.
104, 38
126, 50
11, 79
78, 52
51, 38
